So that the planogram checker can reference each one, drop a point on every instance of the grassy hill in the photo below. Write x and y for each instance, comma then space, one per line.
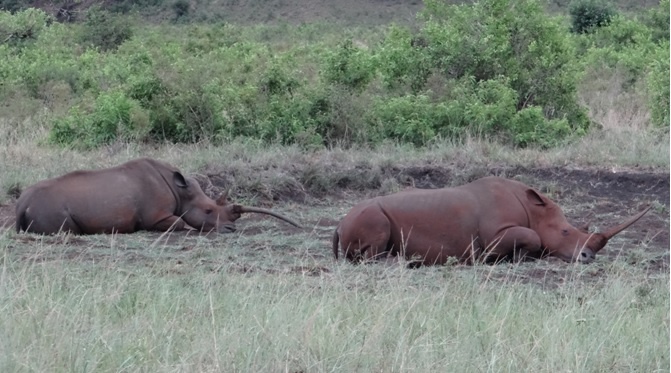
349, 12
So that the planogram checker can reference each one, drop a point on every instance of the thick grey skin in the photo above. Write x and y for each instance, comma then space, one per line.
487, 220
143, 194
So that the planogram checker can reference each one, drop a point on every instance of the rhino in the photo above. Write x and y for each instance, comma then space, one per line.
142, 194
487, 220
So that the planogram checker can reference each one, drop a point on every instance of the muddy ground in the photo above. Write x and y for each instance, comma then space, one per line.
264, 244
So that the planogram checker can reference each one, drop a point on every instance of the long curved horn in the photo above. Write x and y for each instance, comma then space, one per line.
618, 228
244, 209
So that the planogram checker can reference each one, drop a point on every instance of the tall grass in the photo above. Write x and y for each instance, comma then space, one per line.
159, 315
249, 164
274, 302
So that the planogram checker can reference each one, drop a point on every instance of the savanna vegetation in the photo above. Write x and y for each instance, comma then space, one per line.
309, 115
478, 69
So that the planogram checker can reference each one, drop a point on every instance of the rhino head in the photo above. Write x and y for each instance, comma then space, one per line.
205, 214
559, 238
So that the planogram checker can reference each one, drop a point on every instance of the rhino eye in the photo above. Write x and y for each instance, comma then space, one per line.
208, 211
564, 232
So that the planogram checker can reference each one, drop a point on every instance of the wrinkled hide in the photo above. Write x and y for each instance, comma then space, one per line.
487, 220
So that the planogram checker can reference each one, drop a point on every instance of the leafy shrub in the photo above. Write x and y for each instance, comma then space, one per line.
658, 87
112, 117
181, 8
485, 108
125, 6
13, 6
499, 69
587, 15
277, 81
144, 88
337, 112
490, 41
657, 19
530, 126
23, 26
625, 44
105, 30
349, 66
412, 118
403, 63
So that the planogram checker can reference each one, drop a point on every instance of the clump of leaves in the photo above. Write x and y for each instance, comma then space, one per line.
586, 15
105, 30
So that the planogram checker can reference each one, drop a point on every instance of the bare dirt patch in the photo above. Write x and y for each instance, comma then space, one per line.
602, 196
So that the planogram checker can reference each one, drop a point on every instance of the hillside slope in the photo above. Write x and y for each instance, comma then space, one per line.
347, 12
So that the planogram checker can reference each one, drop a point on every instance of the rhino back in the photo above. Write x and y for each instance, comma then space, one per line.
431, 219
125, 198
502, 204
481, 209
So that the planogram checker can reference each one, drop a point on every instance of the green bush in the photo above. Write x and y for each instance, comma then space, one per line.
639, 51
12, 6
413, 119
657, 19
113, 117
126, 6
587, 15
349, 66
403, 66
514, 42
337, 114
625, 44
181, 9
658, 87
484, 108
22, 26
498, 69
105, 30
530, 126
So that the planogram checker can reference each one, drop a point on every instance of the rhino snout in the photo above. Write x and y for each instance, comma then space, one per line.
226, 228
586, 256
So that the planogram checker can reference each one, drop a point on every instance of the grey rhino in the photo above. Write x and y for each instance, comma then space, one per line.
142, 194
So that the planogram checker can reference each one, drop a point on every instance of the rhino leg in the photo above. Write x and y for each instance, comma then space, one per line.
515, 242
171, 223
52, 224
366, 237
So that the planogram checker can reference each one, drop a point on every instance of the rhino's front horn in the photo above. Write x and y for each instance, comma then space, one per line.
609, 233
243, 209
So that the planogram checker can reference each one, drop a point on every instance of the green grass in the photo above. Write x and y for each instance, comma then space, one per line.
265, 171
209, 308
270, 298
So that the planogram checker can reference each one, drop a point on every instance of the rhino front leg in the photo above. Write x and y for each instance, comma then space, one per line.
516, 243
171, 223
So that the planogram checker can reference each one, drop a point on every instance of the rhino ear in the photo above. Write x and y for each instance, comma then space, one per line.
584, 228
535, 197
221, 201
179, 179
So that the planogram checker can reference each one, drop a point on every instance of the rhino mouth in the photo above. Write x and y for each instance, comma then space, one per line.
226, 228
583, 256
586, 256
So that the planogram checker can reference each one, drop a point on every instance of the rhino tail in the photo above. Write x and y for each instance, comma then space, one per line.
21, 222
335, 242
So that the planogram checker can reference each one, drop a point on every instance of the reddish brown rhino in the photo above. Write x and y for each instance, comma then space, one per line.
487, 220
143, 194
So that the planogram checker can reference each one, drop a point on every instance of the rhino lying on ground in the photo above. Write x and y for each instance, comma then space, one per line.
143, 194
487, 220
